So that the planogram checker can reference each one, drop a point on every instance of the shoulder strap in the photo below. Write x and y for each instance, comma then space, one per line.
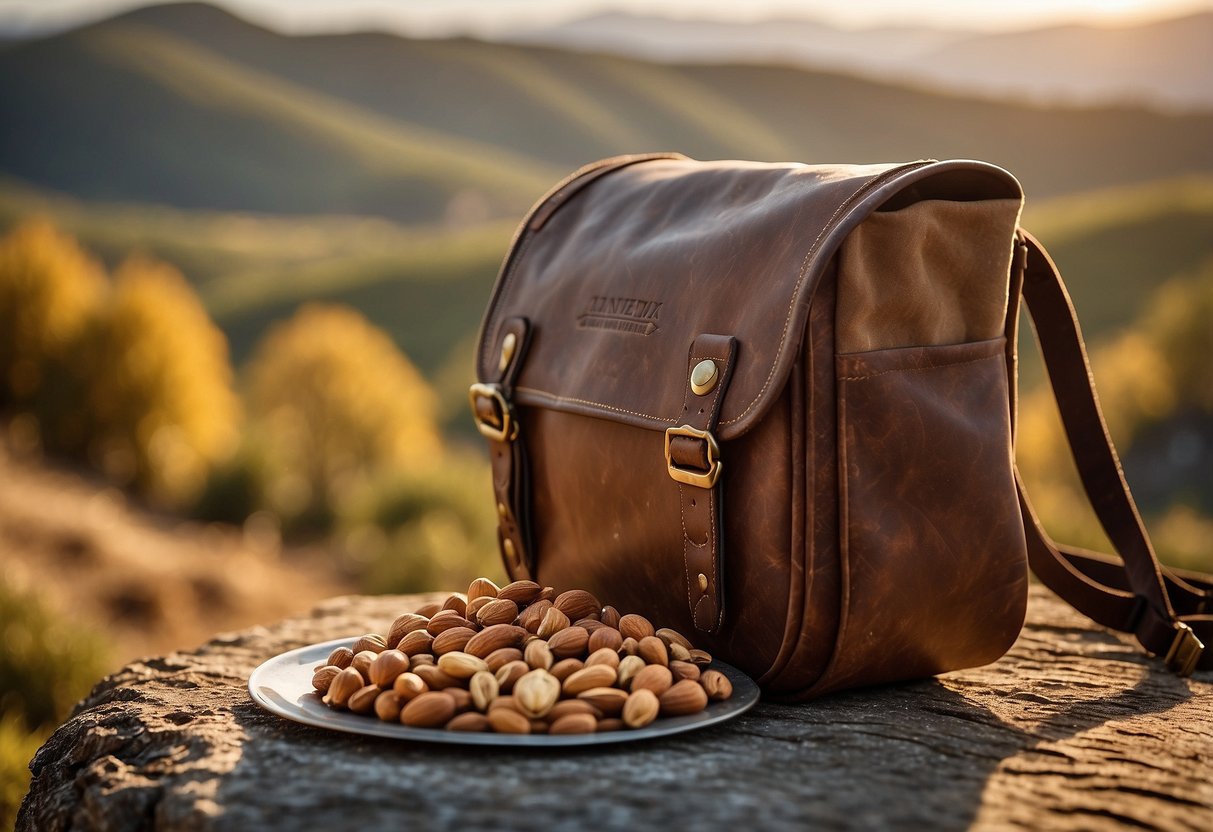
1170, 611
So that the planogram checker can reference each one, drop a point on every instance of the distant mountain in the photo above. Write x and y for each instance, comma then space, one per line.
1168, 62
188, 106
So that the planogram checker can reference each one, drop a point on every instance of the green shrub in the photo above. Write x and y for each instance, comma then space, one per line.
46, 665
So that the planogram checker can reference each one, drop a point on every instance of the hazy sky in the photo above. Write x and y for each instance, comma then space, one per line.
486, 16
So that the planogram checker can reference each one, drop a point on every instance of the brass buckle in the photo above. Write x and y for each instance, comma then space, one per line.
688, 476
1185, 650
507, 428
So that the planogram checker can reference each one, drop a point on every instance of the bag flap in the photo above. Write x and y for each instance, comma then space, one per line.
620, 267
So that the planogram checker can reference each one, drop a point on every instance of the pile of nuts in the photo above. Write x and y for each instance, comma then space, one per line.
520, 659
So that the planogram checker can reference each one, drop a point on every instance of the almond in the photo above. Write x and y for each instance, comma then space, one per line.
573, 706
603, 655
456, 603
463, 699
684, 670
402, 626
553, 622
499, 657
388, 706
678, 652
409, 686
491, 639
340, 658
497, 611
520, 592
460, 665
685, 697
323, 678
484, 688
344, 685
418, 641
716, 685
509, 674
418, 659
429, 710
469, 721
428, 610
629, 666
641, 708
535, 693
590, 676
608, 700
446, 620
574, 724
539, 726
569, 643
532, 616
653, 651
372, 642
538, 655
701, 658
673, 637
482, 588
629, 647
476, 605
506, 721
589, 624
548, 594
362, 663
605, 636
610, 724
565, 668
577, 603
635, 626
387, 666
506, 702
654, 677
610, 617
451, 640
434, 678
362, 701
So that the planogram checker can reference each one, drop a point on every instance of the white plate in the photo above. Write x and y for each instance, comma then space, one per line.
283, 686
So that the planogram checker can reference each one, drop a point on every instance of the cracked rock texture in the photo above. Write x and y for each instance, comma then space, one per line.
1074, 729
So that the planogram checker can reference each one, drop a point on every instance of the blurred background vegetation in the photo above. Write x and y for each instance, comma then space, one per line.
241, 274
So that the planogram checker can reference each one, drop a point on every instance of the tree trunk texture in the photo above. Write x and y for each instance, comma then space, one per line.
1074, 729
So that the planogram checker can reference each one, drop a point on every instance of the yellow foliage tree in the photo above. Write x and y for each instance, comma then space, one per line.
160, 403
49, 287
336, 403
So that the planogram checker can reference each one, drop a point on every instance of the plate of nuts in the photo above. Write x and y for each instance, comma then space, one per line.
517, 665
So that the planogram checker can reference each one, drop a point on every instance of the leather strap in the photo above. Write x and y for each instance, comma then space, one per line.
702, 542
507, 455
1169, 611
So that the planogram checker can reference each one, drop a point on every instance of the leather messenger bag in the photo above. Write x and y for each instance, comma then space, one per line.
773, 406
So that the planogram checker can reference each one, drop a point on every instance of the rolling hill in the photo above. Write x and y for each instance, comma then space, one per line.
188, 106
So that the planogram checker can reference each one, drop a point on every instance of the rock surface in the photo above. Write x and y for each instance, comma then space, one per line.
1074, 729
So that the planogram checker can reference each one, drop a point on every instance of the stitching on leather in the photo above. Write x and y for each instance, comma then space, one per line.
919, 369
843, 206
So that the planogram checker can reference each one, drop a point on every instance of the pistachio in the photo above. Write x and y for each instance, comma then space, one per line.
461, 665
673, 637
536, 692
641, 708
629, 666
538, 655
716, 685
483, 688
509, 674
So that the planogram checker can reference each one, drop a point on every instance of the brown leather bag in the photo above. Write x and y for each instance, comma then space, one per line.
773, 405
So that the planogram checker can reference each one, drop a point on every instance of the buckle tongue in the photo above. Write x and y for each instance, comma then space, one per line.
691, 476
1185, 650
505, 427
